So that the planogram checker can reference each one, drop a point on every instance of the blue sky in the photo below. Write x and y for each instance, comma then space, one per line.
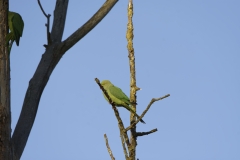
189, 49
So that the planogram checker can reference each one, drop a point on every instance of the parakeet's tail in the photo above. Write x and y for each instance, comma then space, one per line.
141, 120
10, 40
9, 37
131, 110
10, 47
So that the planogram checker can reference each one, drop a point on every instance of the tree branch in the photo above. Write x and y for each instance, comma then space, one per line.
47, 24
146, 133
145, 111
39, 3
89, 25
60, 13
31, 101
124, 147
108, 147
133, 86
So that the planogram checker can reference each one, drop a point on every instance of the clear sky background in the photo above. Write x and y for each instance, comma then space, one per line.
189, 49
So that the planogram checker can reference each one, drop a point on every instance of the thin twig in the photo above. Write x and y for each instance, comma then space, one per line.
108, 147
124, 147
47, 24
145, 111
48, 32
39, 3
120, 123
146, 133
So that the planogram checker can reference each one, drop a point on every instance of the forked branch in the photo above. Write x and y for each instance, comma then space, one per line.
48, 62
47, 24
145, 111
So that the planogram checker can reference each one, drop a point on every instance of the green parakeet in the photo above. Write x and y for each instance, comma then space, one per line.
118, 97
16, 25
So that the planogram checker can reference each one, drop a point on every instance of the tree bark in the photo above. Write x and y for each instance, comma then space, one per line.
133, 89
5, 111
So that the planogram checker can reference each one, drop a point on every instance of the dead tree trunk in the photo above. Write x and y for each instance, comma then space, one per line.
5, 111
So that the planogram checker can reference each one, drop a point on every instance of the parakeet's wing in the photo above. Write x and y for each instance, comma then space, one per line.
118, 93
120, 98
17, 24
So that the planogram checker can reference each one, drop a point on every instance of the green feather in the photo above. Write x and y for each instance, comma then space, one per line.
118, 96
16, 26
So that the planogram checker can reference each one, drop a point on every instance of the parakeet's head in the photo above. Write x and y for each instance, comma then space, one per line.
105, 82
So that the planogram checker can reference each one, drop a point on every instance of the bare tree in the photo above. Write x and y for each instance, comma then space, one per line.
13, 147
129, 144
